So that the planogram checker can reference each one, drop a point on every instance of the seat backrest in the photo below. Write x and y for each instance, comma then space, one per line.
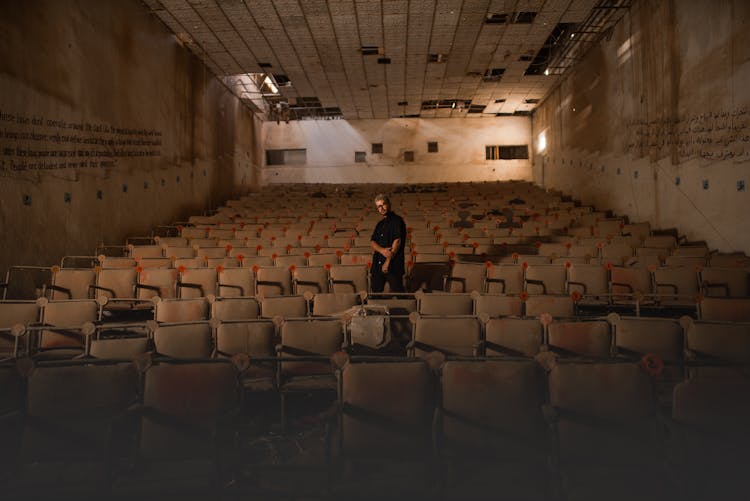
545, 279
334, 303
70, 316
118, 283
18, 312
322, 259
235, 308
580, 338
440, 303
721, 342
635, 337
505, 279
254, 338
82, 404
310, 338
726, 309
449, 335
310, 278
196, 282
160, 282
179, 252
349, 278
630, 280
588, 279
724, 282
497, 305
680, 282
145, 251
605, 413
513, 337
71, 283
283, 306
232, 281
387, 409
184, 340
558, 306
181, 310
466, 277
616, 253
193, 395
504, 397
285, 261
272, 281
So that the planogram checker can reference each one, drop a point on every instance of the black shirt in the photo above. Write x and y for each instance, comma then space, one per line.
386, 231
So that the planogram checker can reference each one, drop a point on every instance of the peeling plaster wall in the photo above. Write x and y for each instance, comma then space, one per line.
108, 128
331, 145
655, 122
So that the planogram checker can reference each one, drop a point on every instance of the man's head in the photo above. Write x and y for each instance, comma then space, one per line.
382, 203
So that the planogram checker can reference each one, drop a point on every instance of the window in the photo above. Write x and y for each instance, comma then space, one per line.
377, 147
408, 156
507, 152
286, 157
360, 156
432, 147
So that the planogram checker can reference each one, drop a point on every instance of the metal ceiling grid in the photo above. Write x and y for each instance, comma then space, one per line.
436, 50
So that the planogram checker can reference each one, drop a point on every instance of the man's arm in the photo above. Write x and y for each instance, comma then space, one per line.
394, 248
385, 251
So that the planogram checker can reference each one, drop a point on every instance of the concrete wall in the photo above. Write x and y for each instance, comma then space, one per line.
108, 128
654, 123
331, 144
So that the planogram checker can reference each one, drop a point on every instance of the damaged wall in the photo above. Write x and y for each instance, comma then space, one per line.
108, 128
655, 122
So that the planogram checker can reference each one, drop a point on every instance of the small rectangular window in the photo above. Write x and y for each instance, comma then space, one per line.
360, 156
514, 152
377, 147
286, 157
432, 147
408, 156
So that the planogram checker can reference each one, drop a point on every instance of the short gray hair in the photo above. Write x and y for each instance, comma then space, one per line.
383, 198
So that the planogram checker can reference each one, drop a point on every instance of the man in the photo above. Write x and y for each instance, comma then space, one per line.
388, 243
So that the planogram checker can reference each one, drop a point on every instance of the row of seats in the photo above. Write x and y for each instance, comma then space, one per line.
68, 323
72, 329
94, 430
477, 429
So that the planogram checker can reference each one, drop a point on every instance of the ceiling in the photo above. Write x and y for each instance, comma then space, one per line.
361, 59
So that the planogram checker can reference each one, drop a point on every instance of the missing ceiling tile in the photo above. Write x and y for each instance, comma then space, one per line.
493, 74
496, 19
523, 17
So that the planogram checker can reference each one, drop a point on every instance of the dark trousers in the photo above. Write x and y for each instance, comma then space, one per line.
378, 280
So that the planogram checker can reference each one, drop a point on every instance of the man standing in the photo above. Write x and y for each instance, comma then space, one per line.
388, 243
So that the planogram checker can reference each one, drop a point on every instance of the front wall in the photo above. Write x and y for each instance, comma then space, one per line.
653, 114
331, 145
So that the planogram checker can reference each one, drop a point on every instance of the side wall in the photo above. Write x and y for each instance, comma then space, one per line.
108, 128
331, 145
655, 122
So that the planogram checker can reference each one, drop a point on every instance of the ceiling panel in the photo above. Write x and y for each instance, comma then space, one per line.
435, 49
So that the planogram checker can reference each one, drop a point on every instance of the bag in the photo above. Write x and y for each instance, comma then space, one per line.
369, 326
